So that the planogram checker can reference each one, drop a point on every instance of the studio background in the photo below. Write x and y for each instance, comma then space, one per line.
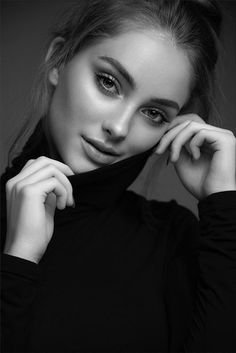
24, 34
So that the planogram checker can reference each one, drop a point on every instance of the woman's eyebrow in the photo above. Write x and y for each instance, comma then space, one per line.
120, 68
166, 102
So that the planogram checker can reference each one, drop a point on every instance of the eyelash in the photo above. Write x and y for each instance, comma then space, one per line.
163, 116
101, 76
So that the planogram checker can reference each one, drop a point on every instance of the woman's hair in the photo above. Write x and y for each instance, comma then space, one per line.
193, 25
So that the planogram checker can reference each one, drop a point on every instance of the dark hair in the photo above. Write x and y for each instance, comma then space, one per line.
194, 26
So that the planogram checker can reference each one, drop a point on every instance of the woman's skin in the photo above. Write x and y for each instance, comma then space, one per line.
95, 102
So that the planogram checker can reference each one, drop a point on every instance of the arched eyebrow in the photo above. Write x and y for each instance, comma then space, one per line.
126, 75
120, 68
166, 102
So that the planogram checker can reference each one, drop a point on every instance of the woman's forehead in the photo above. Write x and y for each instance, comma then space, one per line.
152, 59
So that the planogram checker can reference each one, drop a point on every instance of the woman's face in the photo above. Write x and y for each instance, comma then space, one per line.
116, 98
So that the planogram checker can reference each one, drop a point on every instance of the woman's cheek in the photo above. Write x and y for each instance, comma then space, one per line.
88, 103
143, 136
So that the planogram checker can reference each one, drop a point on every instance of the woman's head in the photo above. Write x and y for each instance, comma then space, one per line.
193, 24
169, 49
119, 95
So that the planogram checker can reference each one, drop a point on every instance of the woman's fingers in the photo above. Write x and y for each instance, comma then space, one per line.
53, 185
47, 172
210, 134
181, 135
197, 142
183, 138
32, 196
44, 188
34, 165
30, 161
217, 140
37, 170
169, 137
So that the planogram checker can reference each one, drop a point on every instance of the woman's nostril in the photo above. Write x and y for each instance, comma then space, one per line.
115, 130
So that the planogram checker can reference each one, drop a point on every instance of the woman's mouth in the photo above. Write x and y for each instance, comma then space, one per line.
99, 152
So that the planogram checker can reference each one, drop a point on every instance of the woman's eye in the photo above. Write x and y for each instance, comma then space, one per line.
108, 84
156, 116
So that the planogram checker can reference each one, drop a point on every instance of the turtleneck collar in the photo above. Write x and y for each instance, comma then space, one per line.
103, 186
100, 187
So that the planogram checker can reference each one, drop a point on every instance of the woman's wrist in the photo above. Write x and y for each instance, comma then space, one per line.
21, 252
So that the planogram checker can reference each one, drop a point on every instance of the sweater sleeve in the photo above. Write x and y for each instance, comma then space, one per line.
213, 328
18, 288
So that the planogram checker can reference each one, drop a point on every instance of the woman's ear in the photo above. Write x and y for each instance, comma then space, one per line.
53, 73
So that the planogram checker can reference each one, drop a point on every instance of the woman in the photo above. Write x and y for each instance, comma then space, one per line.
87, 265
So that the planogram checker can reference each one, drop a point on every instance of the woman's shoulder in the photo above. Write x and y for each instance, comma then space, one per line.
162, 209
175, 222
166, 212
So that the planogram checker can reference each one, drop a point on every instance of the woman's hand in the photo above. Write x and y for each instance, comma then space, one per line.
204, 156
32, 196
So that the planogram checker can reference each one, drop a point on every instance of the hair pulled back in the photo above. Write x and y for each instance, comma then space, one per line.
193, 24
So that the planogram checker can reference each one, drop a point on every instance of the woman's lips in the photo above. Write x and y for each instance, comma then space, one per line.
99, 152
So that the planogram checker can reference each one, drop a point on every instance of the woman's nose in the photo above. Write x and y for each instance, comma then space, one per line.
117, 127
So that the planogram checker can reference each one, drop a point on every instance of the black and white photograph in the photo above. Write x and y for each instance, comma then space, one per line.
118, 176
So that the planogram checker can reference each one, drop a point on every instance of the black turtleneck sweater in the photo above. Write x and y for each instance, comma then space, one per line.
124, 274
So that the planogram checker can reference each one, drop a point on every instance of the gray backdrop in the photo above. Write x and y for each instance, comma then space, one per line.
24, 29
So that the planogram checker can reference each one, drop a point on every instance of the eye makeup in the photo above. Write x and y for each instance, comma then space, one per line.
156, 116
108, 83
